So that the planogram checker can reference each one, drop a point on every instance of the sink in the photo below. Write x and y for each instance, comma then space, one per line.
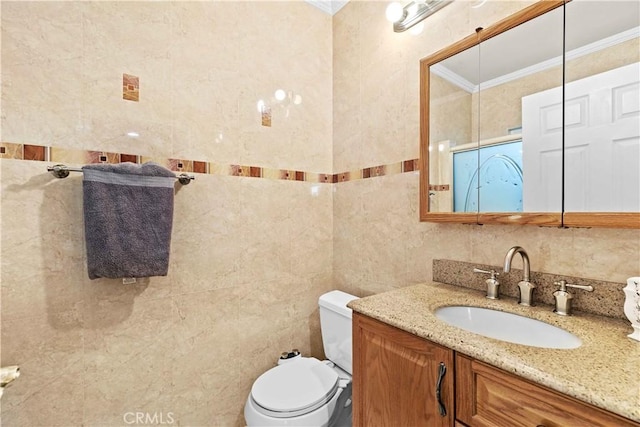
508, 327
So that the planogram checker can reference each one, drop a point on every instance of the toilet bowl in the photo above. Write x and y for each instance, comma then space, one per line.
306, 391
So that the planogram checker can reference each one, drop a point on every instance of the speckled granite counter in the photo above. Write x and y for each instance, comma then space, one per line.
604, 371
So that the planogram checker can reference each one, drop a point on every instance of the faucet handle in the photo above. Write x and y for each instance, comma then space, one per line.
563, 298
564, 285
492, 284
492, 272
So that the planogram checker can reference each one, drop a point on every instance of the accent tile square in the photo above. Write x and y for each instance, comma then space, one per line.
266, 116
200, 167
128, 158
408, 165
288, 175
240, 170
130, 87
378, 170
9, 150
343, 177
34, 152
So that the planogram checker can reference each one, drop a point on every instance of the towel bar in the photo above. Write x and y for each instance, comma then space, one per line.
62, 171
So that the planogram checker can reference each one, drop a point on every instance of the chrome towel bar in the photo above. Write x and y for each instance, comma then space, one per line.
62, 171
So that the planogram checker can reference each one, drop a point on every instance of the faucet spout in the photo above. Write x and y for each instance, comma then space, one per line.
525, 261
524, 286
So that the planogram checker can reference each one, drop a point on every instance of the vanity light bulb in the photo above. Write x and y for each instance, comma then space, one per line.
417, 29
280, 94
260, 106
413, 9
394, 12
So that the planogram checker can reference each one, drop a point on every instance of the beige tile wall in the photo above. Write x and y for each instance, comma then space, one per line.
379, 242
249, 257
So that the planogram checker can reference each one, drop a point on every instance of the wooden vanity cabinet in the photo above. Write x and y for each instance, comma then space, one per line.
394, 384
395, 375
489, 397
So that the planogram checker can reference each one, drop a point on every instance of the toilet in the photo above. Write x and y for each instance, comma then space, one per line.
304, 391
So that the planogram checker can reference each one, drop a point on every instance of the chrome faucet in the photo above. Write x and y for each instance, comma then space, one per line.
525, 286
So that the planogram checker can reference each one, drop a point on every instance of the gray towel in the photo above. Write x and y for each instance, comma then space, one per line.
128, 214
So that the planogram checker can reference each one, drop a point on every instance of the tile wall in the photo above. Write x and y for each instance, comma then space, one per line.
322, 195
249, 257
379, 243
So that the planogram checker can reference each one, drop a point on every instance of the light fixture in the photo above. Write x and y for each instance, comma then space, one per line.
413, 13
417, 29
394, 12
280, 95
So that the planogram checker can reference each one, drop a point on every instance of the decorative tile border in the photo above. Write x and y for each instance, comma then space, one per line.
70, 157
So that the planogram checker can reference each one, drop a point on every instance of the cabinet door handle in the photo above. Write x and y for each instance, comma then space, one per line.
441, 371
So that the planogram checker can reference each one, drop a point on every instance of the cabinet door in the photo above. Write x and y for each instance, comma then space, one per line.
395, 375
489, 397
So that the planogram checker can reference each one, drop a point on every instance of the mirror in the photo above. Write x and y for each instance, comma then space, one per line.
602, 112
493, 119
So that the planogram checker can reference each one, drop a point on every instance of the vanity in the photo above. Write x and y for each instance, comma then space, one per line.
412, 369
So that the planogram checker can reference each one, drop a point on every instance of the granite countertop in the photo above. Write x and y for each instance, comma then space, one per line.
604, 371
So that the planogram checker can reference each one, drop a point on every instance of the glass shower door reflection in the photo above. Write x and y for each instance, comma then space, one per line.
491, 182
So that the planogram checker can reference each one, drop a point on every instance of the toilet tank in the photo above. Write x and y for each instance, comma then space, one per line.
335, 322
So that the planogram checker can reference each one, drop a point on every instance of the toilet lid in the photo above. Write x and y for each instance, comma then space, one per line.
301, 385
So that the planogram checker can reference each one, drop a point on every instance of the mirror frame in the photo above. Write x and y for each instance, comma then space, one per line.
552, 219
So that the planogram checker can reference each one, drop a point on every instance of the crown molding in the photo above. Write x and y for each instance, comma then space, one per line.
328, 6
454, 78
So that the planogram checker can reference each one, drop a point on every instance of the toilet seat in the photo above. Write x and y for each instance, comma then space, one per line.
295, 388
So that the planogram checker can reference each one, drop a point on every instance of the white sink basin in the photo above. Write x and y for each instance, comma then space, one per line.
508, 327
